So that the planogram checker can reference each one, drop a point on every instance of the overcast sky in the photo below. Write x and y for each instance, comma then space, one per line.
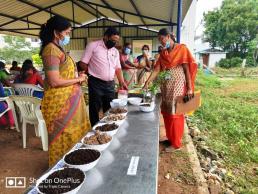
203, 6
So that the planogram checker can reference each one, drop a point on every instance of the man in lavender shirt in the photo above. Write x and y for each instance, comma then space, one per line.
101, 62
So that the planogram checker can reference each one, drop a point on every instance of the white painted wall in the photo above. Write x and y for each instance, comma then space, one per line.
188, 26
214, 58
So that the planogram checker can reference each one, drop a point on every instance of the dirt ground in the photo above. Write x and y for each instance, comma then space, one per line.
175, 166
18, 162
33, 161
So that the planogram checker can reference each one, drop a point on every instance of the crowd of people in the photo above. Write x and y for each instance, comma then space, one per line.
63, 106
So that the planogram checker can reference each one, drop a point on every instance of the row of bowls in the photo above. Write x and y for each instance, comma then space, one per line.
85, 167
136, 101
100, 148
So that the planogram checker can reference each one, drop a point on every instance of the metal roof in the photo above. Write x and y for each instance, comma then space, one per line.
24, 17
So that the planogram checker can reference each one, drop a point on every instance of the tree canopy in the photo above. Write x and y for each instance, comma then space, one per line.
233, 26
17, 48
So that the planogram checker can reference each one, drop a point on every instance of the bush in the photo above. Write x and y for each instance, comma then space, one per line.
228, 63
250, 62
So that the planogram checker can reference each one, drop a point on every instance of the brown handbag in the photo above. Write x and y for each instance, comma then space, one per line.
189, 106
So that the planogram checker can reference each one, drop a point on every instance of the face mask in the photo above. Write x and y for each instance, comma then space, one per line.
167, 46
145, 52
127, 51
65, 41
110, 44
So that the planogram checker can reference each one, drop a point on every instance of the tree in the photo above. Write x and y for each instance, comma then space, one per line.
17, 49
36, 59
252, 56
232, 26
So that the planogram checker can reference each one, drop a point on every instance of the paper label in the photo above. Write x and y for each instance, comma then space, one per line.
132, 169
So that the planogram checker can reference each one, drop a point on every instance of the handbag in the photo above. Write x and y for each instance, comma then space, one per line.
184, 105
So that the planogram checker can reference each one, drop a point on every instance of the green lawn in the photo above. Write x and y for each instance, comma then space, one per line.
229, 117
237, 71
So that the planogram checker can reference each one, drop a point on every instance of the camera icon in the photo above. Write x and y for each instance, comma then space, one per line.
15, 182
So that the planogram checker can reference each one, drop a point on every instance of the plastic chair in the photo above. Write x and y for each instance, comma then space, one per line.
9, 91
10, 106
26, 89
30, 113
42, 128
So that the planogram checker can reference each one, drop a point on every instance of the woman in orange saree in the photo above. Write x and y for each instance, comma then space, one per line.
63, 106
181, 69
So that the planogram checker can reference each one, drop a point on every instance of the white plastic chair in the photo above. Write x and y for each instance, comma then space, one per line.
26, 89
10, 90
10, 106
42, 128
30, 113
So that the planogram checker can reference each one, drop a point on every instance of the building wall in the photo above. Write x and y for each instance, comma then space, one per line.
83, 36
188, 26
214, 58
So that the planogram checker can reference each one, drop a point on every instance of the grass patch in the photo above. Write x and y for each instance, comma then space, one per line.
229, 115
246, 96
237, 71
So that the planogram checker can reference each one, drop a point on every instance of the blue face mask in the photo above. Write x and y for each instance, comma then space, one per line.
167, 46
65, 41
127, 51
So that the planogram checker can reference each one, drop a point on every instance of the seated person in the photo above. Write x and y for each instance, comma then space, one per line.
4, 75
15, 66
29, 74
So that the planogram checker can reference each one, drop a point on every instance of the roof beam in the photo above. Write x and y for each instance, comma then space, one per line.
83, 8
27, 15
121, 25
134, 37
24, 33
15, 18
137, 11
131, 13
113, 10
42, 9
102, 26
95, 9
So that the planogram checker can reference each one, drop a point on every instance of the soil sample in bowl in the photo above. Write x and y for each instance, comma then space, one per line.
117, 110
107, 127
97, 139
82, 156
115, 117
62, 181
146, 105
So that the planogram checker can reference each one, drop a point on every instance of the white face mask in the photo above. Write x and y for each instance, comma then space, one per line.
145, 52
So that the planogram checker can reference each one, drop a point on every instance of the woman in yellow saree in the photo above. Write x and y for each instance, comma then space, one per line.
63, 105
